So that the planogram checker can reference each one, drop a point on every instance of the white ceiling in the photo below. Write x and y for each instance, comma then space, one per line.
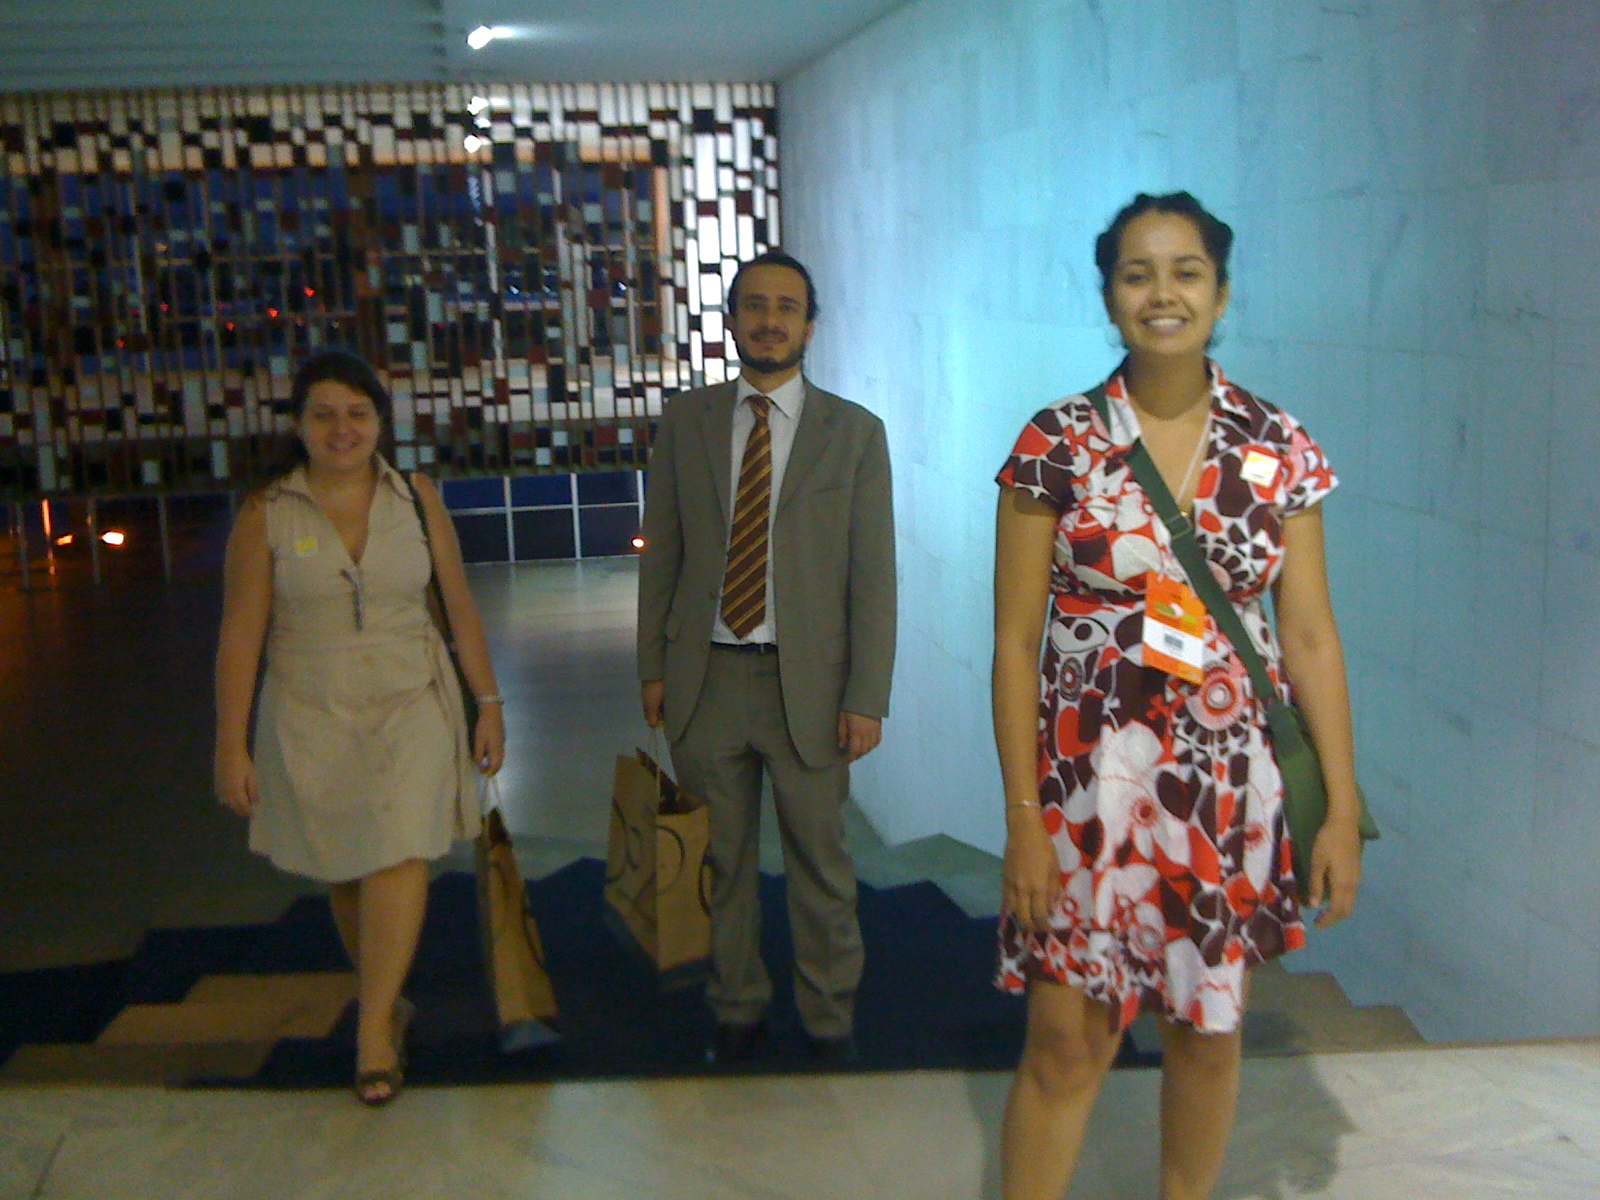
71, 44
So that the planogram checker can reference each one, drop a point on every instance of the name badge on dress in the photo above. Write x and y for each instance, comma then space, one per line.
305, 547
1174, 628
1259, 468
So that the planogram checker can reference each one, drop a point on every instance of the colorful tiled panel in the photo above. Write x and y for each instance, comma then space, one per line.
533, 267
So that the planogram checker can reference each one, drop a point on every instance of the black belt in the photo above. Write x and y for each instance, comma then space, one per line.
748, 647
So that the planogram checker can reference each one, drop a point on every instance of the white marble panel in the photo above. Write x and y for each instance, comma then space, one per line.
1565, 966
1514, 409
1574, 450
1397, 418
1256, 32
1524, 242
1457, 223
1295, 142
1345, 99
1313, 30
1401, 271
1542, 79
1401, 113
1565, 890
1574, 238
1509, 611
1453, 61
1447, 643
1570, 691
1449, 464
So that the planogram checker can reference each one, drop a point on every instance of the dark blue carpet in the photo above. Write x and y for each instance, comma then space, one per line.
926, 1000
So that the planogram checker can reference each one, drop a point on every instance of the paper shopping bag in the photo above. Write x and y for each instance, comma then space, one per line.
513, 953
657, 877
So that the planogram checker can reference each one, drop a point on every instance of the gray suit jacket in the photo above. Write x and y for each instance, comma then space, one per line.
832, 546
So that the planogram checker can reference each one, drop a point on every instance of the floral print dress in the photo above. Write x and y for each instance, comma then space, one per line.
1162, 797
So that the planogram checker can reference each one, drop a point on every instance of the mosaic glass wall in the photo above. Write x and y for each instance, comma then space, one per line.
533, 267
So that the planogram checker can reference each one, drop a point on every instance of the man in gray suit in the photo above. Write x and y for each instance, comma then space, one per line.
766, 643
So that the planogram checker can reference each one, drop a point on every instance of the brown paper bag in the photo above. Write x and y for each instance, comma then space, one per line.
513, 953
657, 877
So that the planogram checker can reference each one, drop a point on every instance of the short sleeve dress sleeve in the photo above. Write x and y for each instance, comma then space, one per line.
1041, 463
1310, 478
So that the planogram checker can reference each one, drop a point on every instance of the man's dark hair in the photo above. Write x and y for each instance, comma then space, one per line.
775, 258
1215, 234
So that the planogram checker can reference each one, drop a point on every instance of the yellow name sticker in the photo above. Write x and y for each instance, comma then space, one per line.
1174, 628
305, 547
1260, 468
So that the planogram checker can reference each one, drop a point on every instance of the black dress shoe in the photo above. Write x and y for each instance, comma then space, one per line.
735, 1042
834, 1051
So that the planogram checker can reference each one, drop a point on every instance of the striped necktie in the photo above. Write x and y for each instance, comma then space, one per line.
744, 586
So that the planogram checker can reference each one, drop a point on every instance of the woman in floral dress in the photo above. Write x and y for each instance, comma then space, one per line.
1147, 863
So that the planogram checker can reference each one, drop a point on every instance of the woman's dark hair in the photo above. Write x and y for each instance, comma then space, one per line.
334, 366
1215, 234
775, 258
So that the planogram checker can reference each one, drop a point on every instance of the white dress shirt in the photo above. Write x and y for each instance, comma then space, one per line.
783, 418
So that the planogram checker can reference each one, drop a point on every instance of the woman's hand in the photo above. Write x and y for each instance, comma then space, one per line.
1032, 873
236, 781
489, 739
1336, 871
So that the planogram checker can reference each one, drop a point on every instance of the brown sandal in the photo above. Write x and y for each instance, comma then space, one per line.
390, 1080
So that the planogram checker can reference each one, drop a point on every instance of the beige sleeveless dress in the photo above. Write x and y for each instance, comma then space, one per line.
361, 746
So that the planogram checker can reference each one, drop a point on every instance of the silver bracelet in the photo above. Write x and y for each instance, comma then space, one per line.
1022, 804
490, 699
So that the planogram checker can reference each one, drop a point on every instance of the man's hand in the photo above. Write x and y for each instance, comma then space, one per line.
653, 696
859, 735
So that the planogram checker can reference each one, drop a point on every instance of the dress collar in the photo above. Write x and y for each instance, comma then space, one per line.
297, 482
1227, 401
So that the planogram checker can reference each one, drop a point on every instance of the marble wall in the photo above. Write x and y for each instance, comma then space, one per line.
1417, 278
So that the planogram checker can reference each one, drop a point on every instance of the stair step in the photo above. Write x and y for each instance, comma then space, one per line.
195, 1022
238, 1008
135, 1065
324, 987
1305, 1013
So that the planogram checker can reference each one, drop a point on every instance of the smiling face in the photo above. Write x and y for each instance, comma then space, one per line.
339, 427
769, 324
1164, 295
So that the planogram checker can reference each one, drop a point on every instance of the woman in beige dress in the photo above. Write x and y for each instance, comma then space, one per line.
363, 769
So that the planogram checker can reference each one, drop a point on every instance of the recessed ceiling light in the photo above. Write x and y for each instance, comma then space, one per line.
484, 34
477, 104
472, 142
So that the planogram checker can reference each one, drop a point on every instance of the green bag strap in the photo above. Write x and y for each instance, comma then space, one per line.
1193, 559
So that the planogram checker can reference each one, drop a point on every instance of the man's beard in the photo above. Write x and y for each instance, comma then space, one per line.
767, 365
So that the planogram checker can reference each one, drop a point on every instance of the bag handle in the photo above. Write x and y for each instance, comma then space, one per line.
1192, 558
435, 592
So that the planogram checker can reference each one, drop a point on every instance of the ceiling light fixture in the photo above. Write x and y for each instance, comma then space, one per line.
472, 142
484, 34
477, 104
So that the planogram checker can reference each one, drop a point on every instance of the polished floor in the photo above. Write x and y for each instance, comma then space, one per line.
109, 830
1460, 1124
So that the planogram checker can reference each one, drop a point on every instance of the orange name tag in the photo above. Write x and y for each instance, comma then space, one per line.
1174, 628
